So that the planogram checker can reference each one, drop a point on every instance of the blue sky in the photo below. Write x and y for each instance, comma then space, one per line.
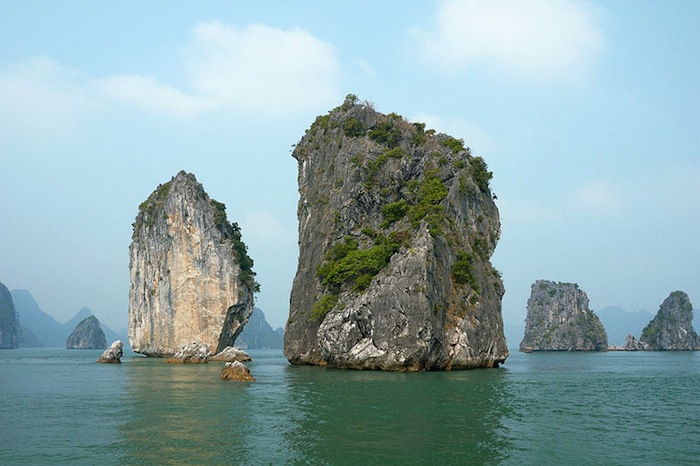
586, 112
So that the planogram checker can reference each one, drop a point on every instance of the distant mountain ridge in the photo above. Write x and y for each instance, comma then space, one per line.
259, 334
44, 329
620, 323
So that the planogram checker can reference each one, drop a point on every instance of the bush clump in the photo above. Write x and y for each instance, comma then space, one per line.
462, 271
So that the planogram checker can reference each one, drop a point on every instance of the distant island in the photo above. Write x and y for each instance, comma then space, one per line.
559, 319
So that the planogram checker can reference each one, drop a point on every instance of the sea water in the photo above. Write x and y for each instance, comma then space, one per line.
60, 407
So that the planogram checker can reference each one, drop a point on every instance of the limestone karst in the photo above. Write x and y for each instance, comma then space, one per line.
10, 333
113, 354
87, 335
559, 319
191, 275
672, 327
397, 225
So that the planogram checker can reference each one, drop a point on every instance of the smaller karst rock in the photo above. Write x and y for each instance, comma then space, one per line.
113, 354
632, 344
87, 335
558, 319
194, 353
672, 327
231, 354
237, 372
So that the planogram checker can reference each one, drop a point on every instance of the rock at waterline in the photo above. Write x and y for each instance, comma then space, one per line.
191, 277
672, 327
113, 354
88, 334
236, 371
558, 319
194, 353
231, 354
10, 330
397, 225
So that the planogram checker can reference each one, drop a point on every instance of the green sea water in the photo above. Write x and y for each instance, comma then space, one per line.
60, 407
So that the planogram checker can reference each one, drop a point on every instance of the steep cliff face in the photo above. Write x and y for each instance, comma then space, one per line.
396, 228
558, 319
10, 333
87, 335
671, 328
191, 276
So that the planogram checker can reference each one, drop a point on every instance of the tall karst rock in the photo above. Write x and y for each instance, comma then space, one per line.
396, 228
558, 319
191, 276
10, 333
672, 327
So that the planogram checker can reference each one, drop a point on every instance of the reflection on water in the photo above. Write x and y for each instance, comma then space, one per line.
293, 414
361, 417
60, 407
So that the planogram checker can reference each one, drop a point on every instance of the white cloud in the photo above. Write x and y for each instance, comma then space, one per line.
262, 69
599, 197
149, 94
540, 40
256, 70
475, 137
41, 95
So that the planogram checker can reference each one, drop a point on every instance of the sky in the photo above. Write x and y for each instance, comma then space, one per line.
588, 114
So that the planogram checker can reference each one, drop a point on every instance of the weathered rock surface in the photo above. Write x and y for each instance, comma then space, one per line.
10, 331
236, 371
192, 353
113, 354
231, 354
87, 335
396, 228
672, 327
632, 344
191, 276
558, 319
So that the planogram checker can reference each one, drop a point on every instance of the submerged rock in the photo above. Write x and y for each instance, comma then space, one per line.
236, 371
87, 335
10, 330
396, 228
231, 354
191, 276
672, 327
558, 319
193, 353
113, 354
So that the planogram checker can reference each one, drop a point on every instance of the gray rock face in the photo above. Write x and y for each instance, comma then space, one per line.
671, 328
632, 344
558, 319
396, 228
231, 354
193, 353
87, 335
10, 332
113, 354
191, 276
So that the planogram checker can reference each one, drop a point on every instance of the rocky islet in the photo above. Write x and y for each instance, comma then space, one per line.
191, 275
559, 319
396, 228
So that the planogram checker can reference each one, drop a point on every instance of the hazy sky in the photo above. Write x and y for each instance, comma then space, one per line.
588, 114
